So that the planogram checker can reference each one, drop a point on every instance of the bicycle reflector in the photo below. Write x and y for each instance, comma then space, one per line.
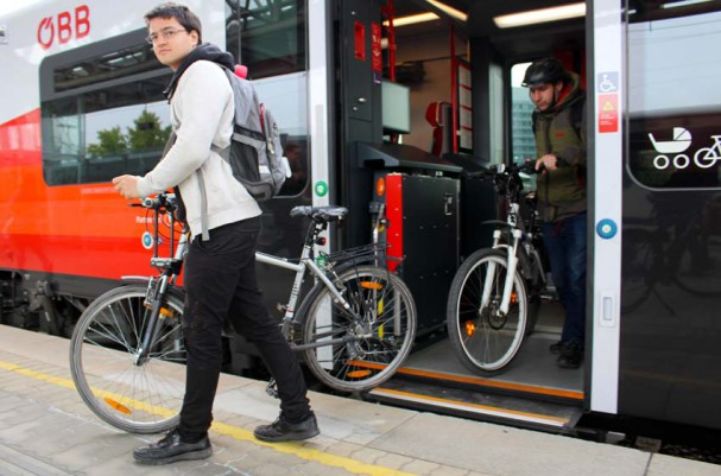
470, 327
362, 373
514, 297
117, 406
166, 312
372, 285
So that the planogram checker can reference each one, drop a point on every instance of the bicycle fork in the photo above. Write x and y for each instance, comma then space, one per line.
153, 302
512, 260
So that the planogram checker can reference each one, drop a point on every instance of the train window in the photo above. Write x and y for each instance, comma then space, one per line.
286, 97
267, 37
103, 112
523, 142
674, 98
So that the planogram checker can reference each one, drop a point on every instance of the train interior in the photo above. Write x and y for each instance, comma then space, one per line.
493, 125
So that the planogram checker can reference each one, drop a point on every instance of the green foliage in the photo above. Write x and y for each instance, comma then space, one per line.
111, 142
146, 135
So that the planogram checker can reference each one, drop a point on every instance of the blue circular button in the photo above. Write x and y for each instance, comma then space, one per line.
147, 240
606, 228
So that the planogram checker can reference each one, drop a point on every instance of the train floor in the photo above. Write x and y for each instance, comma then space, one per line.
531, 391
45, 429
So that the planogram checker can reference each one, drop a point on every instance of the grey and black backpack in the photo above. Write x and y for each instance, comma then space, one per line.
255, 153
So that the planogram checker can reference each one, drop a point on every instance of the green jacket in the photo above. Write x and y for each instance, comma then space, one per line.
561, 131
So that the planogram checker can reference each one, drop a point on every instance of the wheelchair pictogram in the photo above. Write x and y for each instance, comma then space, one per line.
607, 85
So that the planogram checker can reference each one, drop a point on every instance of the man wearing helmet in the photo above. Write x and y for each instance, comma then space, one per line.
558, 125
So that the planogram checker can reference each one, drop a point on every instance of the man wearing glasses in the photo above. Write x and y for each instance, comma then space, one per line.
220, 280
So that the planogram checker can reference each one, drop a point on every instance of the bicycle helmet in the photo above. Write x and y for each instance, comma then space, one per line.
544, 71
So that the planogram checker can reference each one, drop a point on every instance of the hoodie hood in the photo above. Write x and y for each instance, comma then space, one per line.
570, 93
205, 51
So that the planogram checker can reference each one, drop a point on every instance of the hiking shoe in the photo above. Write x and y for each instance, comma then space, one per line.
171, 448
283, 430
571, 356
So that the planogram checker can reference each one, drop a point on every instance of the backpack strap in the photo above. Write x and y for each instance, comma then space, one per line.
205, 234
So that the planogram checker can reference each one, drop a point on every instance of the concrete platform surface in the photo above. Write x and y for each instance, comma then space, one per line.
46, 429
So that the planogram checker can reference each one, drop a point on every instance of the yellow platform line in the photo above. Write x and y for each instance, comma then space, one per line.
237, 433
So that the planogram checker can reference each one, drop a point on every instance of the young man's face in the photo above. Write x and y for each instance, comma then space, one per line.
171, 42
544, 95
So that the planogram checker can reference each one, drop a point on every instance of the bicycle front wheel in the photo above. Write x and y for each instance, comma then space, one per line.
356, 349
483, 337
134, 395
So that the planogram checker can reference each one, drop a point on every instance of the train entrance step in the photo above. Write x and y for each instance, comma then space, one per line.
504, 409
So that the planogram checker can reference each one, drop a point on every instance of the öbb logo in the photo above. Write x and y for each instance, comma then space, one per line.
64, 26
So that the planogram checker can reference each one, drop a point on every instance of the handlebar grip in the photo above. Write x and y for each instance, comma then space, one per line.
148, 202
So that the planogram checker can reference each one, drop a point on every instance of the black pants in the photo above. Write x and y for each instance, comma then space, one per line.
220, 283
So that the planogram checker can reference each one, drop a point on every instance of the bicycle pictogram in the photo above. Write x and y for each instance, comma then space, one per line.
703, 158
706, 157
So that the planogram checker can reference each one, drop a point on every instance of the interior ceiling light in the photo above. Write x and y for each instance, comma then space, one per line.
450, 11
412, 19
542, 15
682, 3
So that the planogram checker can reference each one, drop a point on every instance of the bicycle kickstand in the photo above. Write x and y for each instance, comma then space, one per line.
272, 388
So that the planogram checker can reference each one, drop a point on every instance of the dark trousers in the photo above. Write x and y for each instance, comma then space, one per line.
220, 282
565, 242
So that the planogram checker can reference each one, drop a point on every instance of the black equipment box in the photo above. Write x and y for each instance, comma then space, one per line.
423, 231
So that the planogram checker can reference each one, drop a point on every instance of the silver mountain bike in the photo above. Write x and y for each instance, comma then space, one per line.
353, 328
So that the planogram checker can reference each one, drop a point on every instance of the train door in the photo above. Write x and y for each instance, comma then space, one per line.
669, 362
652, 187
447, 109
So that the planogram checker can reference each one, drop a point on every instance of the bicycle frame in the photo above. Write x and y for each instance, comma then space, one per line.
170, 268
516, 226
306, 263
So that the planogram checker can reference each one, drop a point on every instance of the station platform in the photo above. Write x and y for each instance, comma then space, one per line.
46, 429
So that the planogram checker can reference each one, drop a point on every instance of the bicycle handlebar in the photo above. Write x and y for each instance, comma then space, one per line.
167, 201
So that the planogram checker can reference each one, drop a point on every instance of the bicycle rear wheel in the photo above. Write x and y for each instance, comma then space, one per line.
379, 329
483, 339
138, 397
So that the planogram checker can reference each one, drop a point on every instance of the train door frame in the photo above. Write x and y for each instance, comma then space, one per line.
605, 133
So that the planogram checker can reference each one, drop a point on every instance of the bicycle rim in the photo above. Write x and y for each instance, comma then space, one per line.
380, 329
486, 340
143, 398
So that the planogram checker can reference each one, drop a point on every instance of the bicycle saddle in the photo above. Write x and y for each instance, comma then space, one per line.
327, 214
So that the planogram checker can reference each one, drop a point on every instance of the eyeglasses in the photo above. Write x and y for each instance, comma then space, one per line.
164, 34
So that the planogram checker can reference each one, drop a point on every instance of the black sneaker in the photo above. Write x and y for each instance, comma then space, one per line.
283, 430
171, 448
555, 349
571, 356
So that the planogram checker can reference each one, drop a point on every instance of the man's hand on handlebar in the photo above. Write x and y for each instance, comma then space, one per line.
548, 162
127, 185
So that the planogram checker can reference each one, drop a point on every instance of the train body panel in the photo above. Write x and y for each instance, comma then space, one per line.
85, 88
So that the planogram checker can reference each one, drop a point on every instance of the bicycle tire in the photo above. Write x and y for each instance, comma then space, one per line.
485, 343
374, 357
142, 398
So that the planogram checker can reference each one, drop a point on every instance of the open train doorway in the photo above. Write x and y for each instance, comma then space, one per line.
452, 106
